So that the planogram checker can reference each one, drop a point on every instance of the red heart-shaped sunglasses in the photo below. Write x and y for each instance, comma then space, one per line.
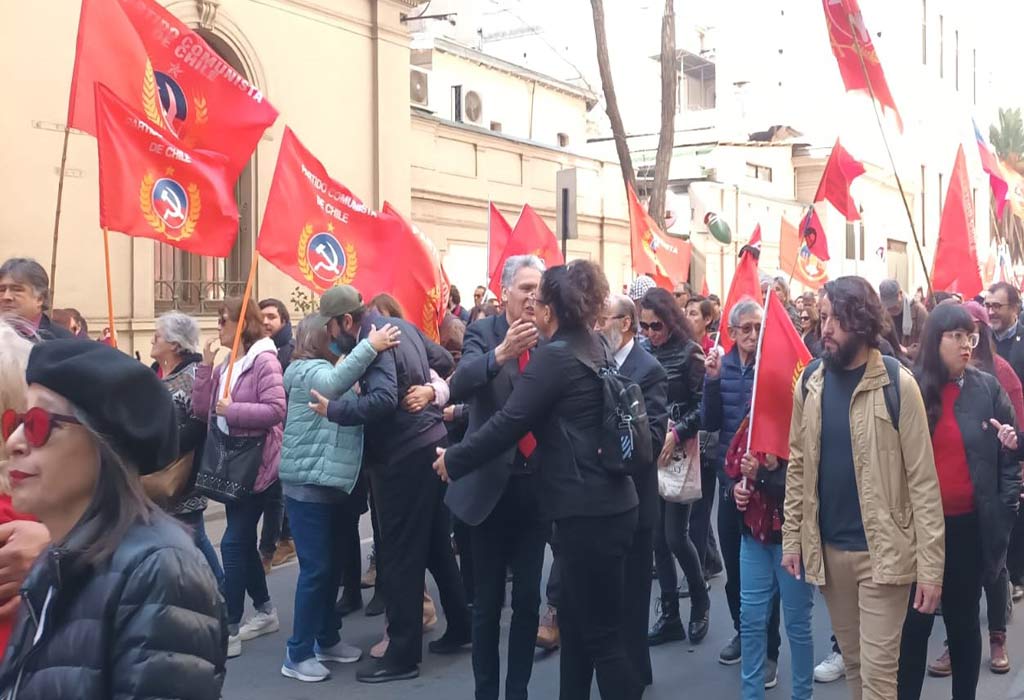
38, 422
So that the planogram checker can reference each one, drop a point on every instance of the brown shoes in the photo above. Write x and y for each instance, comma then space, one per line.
284, 553
1000, 661
547, 633
941, 667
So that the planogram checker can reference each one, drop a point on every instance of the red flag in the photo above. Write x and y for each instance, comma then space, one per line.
165, 71
797, 260
416, 280
996, 179
858, 61
498, 234
704, 291
153, 186
531, 236
746, 284
840, 172
781, 358
955, 268
665, 260
813, 233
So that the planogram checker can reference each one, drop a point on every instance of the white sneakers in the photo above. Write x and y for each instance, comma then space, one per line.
308, 671
234, 646
340, 653
259, 624
832, 668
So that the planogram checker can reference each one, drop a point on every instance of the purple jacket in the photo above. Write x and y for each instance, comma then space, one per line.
258, 407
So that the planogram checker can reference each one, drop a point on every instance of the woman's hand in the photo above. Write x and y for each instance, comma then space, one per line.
319, 403
222, 405
385, 338
210, 351
666, 452
749, 466
418, 398
1007, 434
439, 465
23, 542
741, 495
771, 462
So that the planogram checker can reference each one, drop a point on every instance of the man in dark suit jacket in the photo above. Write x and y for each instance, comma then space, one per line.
499, 500
619, 326
25, 293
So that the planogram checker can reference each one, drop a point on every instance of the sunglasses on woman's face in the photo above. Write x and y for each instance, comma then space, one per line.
655, 326
39, 424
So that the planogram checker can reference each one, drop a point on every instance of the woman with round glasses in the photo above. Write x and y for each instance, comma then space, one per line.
673, 345
975, 443
122, 604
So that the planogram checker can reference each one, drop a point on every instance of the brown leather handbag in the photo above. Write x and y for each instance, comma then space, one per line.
167, 486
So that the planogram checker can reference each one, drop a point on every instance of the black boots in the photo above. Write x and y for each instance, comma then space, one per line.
668, 627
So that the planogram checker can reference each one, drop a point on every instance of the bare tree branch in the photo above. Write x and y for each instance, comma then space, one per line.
611, 102
666, 139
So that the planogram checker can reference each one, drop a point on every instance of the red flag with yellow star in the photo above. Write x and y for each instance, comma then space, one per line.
169, 74
666, 260
153, 186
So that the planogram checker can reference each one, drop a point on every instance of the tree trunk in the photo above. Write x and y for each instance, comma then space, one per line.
666, 139
611, 101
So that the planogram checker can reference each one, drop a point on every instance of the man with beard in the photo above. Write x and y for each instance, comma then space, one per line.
400, 447
848, 438
618, 324
500, 500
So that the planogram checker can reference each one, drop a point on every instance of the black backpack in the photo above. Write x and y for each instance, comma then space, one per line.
625, 447
890, 391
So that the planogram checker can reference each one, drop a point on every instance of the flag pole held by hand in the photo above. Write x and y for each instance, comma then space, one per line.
241, 322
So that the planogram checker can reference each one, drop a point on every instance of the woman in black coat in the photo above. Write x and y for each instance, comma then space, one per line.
672, 344
558, 403
122, 605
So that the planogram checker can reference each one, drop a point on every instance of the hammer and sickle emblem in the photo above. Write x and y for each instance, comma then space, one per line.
329, 260
170, 198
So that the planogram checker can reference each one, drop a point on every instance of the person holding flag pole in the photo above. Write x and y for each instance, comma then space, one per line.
756, 461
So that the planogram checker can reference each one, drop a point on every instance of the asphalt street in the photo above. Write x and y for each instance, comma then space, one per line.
680, 669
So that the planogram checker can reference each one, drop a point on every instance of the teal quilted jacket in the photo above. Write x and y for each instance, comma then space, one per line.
315, 450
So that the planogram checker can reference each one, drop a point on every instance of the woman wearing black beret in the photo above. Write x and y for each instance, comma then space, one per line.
122, 604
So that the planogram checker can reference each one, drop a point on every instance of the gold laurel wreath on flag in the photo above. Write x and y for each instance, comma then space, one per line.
351, 261
195, 208
149, 99
202, 115
797, 371
430, 320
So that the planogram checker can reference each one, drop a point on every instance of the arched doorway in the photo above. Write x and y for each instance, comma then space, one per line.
197, 284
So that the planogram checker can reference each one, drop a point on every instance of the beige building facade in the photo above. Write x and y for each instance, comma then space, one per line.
339, 73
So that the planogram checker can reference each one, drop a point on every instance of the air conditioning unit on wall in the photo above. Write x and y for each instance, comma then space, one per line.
467, 105
419, 87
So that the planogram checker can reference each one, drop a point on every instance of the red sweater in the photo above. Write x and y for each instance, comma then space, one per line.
951, 458
7, 514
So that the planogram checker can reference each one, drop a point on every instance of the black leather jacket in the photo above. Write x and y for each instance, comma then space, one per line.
684, 363
149, 623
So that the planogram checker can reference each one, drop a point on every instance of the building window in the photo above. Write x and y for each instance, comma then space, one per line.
956, 60
696, 84
198, 284
759, 172
924, 208
942, 46
924, 32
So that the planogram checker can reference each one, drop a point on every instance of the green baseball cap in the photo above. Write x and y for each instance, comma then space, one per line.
338, 301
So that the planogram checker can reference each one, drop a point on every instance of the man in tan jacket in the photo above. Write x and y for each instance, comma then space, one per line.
865, 552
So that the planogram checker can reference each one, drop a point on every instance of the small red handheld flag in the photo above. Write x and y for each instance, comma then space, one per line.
955, 268
746, 284
781, 358
531, 236
153, 186
840, 172
165, 71
665, 260
498, 234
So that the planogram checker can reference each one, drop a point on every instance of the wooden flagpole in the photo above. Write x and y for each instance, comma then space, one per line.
110, 293
241, 321
892, 161
56, 216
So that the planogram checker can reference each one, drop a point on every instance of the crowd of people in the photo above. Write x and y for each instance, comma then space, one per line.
476, 454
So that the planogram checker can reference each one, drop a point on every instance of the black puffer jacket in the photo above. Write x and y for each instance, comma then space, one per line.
147, 624
684, 364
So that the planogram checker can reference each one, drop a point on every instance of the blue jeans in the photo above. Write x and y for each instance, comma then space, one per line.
243, 569
197, 526
316, 530
760, 578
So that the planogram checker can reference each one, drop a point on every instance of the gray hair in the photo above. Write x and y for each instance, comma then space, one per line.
28, 271
516, 263
622, 304
744, 308
179, 329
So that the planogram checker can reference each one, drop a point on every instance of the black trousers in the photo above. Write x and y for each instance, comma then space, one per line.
701, 533
1015, 554
730, 533
414, 533
593, 552
961, 604
351, 553
638, 604
997, 601
553, 591
672, 537
512, 537
275, 521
